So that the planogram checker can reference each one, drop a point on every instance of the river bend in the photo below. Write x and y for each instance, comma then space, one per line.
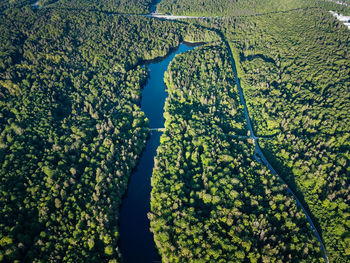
136, 240
134, 224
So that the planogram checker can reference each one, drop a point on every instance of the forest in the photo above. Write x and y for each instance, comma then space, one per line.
296, 81
6, 4
71, 129
113, 6
229, 8
294, 69
211, 201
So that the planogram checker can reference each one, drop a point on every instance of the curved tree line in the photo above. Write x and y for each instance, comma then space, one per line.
297, 93
211, 201
71, 129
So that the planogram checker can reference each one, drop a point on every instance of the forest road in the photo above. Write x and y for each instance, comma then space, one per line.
172, 17
259, 153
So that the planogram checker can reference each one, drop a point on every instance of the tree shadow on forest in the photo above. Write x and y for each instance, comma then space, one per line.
252, 57
287, 175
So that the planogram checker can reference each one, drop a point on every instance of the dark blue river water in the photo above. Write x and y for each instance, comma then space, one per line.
136, 240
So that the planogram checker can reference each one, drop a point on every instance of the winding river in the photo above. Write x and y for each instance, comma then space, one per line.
134, 224
136, 240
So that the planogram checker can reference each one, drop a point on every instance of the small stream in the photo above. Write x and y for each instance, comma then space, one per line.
136, 240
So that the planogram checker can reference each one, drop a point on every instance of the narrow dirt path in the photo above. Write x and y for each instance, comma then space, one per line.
260, 157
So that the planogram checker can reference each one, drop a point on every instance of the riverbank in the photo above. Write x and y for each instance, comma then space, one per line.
136, 240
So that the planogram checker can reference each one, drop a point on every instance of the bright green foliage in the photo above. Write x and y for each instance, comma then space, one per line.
295, 69
5, 4
332, 5
119, 6
71, 129
211, 201
230, 7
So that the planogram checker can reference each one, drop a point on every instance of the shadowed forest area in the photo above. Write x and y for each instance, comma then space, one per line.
71, 127
72, 131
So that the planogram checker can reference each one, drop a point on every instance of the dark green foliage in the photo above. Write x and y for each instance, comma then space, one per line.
296, 69
332, 5
230, 7
71, 129
211, 201
10, 4
119, 6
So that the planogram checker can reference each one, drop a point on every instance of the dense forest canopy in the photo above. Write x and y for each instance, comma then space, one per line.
119, 6
8, 4
296, 80
71, 129
228, 8
116, 6
295, 73
211, 201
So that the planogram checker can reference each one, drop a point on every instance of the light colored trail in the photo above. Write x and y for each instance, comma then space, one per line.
338, 2
260, 157
172, 17
157, 129
344, 19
